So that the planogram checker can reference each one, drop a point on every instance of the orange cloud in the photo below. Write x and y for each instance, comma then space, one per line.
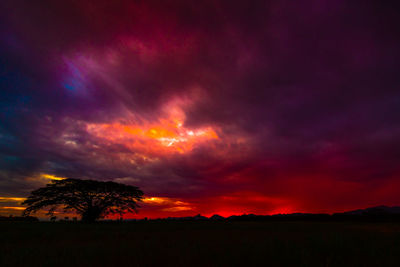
166, 204
175, 209
164, 135
13, 208
51, 177
156, 200
12, 199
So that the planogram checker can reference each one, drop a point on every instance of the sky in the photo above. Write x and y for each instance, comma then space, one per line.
210, 107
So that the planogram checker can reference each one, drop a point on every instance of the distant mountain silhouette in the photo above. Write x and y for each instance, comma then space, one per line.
378, 213
378, 210
198, 217
217, 217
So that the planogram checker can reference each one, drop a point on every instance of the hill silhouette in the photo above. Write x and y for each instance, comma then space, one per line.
375, 214
378, 210
378, 213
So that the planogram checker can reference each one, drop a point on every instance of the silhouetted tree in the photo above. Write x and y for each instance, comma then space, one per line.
90, 199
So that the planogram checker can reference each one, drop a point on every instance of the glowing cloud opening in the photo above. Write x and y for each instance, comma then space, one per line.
164, 135
52, 177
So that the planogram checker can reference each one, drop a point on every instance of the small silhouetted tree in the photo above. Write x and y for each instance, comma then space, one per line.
90, 199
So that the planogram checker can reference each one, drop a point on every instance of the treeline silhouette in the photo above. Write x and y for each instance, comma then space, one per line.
374, 214
319, 217
18, 219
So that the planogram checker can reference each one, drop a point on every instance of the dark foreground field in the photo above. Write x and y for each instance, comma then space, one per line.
200, 244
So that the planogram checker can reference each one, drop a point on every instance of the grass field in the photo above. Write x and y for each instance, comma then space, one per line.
199, 244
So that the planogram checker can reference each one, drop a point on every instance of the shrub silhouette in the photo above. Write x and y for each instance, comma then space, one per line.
90, 199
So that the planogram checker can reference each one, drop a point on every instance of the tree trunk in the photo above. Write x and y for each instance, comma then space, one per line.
91, 215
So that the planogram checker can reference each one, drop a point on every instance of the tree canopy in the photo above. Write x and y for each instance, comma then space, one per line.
90, 199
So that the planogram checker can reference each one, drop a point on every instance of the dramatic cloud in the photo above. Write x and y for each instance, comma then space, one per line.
210, 107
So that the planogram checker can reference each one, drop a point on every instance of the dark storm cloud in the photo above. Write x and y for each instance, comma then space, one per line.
298, 92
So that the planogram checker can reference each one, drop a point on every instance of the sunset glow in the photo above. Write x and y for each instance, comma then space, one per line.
165, 205
13, 208
167, 136
209, 107
9, 199
52, 177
